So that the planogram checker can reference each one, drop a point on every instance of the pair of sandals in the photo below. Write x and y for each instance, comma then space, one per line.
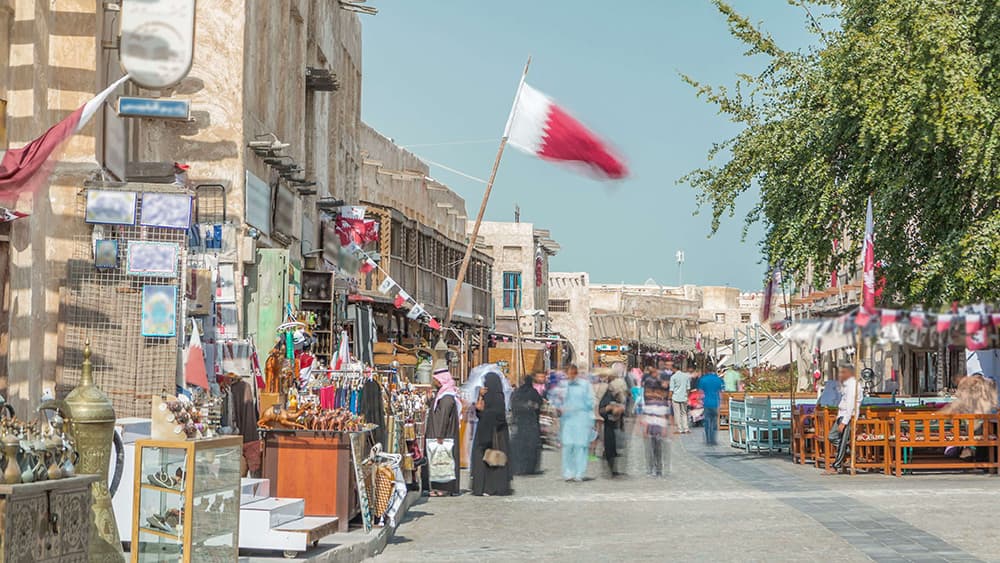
166, 522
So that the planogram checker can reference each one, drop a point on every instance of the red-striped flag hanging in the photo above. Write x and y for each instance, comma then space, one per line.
918, 319
944, 322
868, 256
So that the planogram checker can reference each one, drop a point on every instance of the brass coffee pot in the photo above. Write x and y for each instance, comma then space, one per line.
91, 418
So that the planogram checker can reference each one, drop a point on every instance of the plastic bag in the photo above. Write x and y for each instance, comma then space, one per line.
442, 461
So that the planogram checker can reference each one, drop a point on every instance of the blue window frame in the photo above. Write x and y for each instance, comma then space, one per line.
511, 290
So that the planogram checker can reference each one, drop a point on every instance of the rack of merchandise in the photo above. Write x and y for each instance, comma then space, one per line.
187, 500
318, 299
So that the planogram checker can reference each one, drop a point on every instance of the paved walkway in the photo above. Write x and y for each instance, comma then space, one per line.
717, 504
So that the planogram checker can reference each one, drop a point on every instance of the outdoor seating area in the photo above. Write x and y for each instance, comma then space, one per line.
896, 439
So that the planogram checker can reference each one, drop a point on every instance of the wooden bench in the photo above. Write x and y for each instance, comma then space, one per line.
766, 426
936, 431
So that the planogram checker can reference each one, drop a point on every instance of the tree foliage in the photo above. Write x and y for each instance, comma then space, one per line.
898, 100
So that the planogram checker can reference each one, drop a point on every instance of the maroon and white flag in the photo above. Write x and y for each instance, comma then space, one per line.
538, 126
24, 169
918, 319
868, 255
944, 322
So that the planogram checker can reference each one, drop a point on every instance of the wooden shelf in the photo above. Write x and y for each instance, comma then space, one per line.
162, 534
161, 489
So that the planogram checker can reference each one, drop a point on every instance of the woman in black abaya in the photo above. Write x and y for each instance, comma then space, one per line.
491, 433
526, 441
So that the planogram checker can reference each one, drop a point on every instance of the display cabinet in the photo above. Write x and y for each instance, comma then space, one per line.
187, 500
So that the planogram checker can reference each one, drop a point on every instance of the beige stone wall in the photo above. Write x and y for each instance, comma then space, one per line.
396, 178
573, 325
52, 57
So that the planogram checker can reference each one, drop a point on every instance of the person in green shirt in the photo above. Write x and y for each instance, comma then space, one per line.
733, 379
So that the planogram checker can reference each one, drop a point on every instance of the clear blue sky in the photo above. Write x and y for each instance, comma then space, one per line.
439, 71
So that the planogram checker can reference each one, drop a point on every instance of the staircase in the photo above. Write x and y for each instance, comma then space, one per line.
278, 523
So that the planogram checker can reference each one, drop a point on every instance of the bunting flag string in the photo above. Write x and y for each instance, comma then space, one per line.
354, 230
977, 322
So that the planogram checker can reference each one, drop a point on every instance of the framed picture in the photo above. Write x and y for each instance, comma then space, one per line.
227, 321
110, 207
170, 211
159, 311
152, 259
106, 254
225, 291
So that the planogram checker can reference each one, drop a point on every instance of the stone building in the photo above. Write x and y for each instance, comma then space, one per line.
520, 274
423, 229
283, 71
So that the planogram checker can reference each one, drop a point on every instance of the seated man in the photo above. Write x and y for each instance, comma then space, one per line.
847, 409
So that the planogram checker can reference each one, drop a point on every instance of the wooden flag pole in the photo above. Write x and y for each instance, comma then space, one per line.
482, 210
857, 403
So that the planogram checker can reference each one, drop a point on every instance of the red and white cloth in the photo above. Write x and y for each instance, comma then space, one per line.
25, 169
538, 126
868, 256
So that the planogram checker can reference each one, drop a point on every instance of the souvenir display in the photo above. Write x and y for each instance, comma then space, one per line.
194, 419
312, 417
38, 450
187, 497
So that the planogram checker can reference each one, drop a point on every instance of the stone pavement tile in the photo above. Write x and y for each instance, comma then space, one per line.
698, 513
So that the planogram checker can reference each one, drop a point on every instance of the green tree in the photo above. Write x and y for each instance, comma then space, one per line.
897, 100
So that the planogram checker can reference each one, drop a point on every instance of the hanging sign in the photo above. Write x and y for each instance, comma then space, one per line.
157, 42
154, 108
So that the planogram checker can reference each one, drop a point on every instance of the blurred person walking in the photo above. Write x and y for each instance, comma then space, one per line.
680, 385
442, 427
491, 477
711, 385
653, 423
526, 440
576, 424
612, 411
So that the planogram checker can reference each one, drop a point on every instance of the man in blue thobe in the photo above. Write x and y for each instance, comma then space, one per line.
576, 425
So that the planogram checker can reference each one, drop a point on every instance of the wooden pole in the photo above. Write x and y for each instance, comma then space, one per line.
482, 210
857, 404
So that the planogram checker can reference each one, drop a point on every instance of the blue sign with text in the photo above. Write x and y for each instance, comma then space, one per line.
153, 108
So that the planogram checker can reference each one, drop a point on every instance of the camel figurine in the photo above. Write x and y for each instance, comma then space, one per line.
280, 418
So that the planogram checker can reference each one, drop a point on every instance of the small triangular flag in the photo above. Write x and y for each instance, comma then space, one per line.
416, 312
401, 298
434, 324
386, 286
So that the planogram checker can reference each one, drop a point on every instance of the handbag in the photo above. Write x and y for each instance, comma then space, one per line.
442, 462
494, 457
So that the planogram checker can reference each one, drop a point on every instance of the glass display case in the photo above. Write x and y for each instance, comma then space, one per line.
187, 500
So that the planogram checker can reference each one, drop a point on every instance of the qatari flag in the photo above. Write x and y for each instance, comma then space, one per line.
540, 127
20, 168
